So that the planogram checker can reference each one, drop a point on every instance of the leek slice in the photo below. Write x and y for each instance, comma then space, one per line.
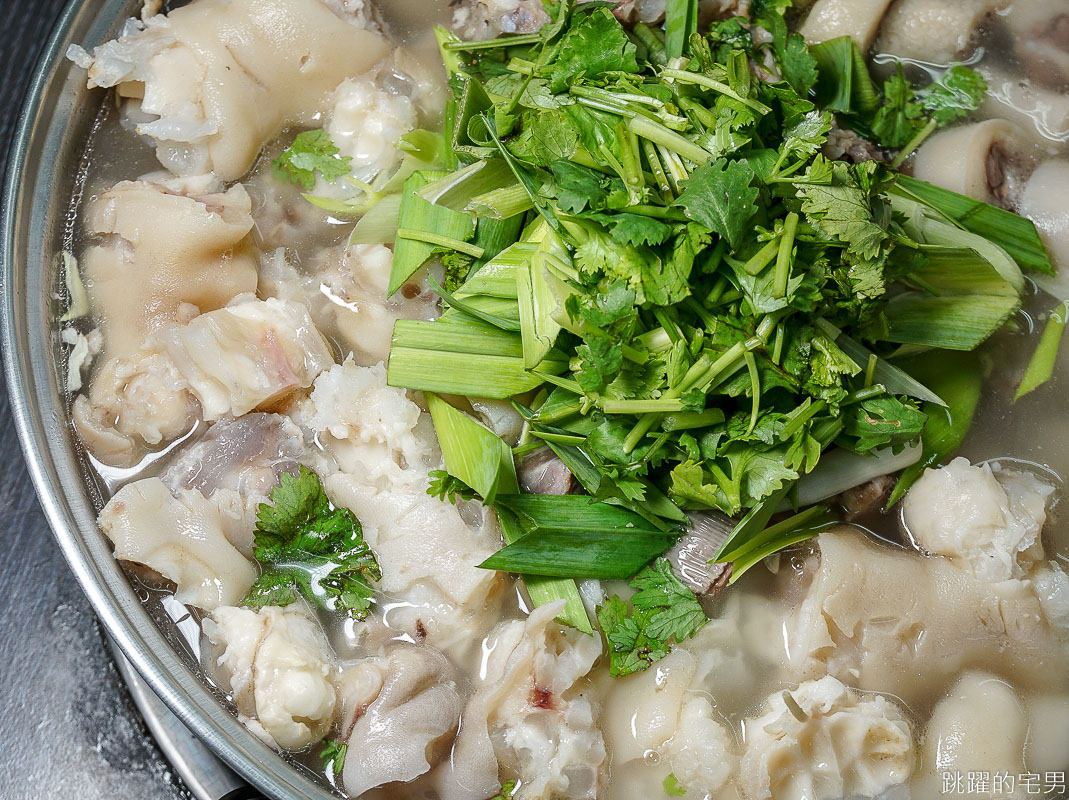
417, 214
472, 452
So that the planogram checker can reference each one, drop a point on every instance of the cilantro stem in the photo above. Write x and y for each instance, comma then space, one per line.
721, 88
762, 258
657, 212
860, 395
654, 341
677, 173
441, 241
655, 52
657, 168
783, 259
491, 44
717, 290
668, 139
662, 404
642, 427
801, 416
914, 143
522, 66
777, 346
870, 369
755, 390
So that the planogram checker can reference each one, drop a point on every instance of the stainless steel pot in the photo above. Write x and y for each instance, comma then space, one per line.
43, 177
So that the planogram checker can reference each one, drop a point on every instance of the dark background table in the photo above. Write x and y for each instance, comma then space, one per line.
67, 726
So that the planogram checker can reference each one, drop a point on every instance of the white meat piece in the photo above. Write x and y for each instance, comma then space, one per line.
744, 638
979, 727
531, 713
701, 752
988, 521
406, 726
368, 427
858, 19
824, 741
345, 291
134, 405
1043, 202
250, 355
139, 272
181, 538
1047, 748
857, 624
279, 667
236, 464
366, 123
428, 550
935, 31
487, 19
214, 80
983, 160
642, 710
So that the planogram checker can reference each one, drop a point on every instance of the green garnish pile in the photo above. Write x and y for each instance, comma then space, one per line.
647, 250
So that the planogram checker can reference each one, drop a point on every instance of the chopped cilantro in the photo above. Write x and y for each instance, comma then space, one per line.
333, 755
672, 786
447, 488
508, 788
693, 297
719, 195
311, 152
663, 610
309, 548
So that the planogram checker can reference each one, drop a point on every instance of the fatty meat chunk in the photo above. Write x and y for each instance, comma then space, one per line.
344, 289
399, 716
824, 741
279, 667
366, 123
142, 274
212, 81
182, 538
980, 726
487, 19
986, 520
250, 355
531, 714
134, 405
857, 624
384, 448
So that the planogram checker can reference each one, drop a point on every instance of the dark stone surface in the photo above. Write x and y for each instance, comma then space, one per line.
68, 728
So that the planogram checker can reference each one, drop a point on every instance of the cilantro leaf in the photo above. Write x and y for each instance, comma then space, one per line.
843, 210
672, 786
333, 755
884, 421
899, 118
805, 137
678, 614
719, 196
448, 488
311, 152
955, 95
634, 229
308, 547
797, 64
507, 790
594, 43
663, 610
